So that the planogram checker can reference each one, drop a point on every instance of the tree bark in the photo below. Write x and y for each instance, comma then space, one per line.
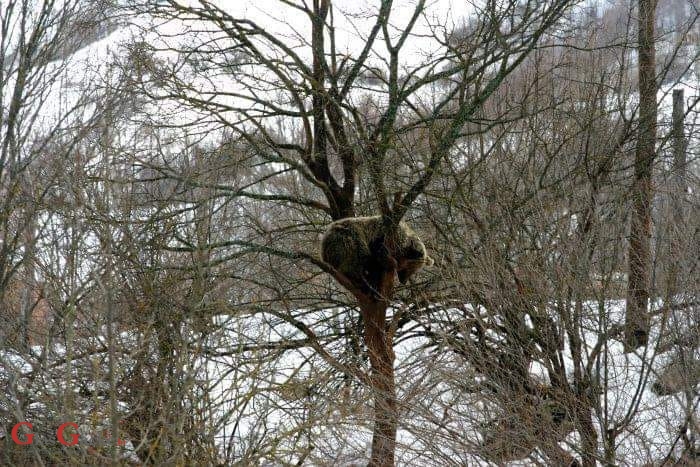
678, 189
637, 319
379, 341
29, 288
679, 152
589, 437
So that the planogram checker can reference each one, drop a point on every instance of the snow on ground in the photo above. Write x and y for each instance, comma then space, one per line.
650, 435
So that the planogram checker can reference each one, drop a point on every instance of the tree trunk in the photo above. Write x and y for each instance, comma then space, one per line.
679, 153
29, 288
379, 341
678, 190
589, 437
637, 319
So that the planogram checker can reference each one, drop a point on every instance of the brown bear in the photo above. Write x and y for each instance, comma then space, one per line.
358, 247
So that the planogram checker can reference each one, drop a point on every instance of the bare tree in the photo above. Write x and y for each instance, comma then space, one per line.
166, 229
311, 87
637, 319
37, 39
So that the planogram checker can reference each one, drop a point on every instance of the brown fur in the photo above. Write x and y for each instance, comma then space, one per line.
357, 247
